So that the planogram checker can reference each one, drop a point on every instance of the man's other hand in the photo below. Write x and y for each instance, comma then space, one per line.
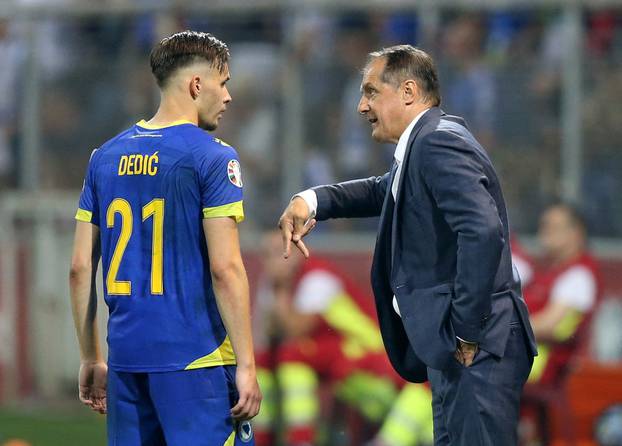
92, 385
465, 352
294, 224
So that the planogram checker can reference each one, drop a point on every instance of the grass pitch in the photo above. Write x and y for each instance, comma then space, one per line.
52, 427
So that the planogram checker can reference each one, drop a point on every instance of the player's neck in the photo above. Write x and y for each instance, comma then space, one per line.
171, 111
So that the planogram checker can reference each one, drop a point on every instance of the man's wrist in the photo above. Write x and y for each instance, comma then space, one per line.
310, 197
464, 341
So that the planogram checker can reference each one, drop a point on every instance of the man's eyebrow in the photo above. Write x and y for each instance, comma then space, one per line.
366, 87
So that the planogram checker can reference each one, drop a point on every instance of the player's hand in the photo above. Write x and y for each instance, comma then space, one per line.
465, 352
295, 223
250, 396
92, 385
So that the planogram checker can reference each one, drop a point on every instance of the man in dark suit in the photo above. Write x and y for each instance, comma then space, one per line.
448, 305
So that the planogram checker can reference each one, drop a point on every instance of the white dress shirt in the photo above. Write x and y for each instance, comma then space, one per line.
310, 197
400, 152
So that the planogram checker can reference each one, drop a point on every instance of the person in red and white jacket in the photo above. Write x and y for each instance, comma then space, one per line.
563, 292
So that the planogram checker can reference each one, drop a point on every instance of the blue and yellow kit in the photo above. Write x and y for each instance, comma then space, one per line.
148, 190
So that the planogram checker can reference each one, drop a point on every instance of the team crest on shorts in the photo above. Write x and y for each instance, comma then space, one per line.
245, 431
234, 172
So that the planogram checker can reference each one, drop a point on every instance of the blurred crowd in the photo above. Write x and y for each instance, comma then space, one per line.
501, 70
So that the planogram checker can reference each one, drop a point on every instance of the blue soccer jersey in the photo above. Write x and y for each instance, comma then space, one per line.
148, 190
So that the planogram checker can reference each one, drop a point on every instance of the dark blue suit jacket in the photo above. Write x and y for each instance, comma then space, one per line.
442, 248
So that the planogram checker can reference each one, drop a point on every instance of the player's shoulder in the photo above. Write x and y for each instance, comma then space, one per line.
110, 144
207, 147
98, 152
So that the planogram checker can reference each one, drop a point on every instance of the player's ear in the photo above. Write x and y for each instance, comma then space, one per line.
195, 87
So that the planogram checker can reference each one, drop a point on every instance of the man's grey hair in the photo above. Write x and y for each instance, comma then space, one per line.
405, 62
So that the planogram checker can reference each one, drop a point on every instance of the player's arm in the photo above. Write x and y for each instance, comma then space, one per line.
232, 297
93, 370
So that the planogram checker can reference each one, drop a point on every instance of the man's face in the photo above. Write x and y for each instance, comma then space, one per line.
558, 233
213, 98
381, 103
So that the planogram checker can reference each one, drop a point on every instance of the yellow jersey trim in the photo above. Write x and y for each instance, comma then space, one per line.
231, 440
84, 215
223, 355
235, 210
144, 124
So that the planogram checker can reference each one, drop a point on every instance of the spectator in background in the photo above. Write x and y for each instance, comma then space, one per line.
356, 155
11, 57
563, 293
603, 157
469, 88
561, 297
314, 325
256, 67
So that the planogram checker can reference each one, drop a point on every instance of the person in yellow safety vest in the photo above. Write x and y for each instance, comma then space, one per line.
314, 325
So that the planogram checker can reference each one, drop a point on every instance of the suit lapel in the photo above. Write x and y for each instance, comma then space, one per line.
380, 271
433, 113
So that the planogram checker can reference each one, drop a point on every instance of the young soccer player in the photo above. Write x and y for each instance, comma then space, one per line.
160, 204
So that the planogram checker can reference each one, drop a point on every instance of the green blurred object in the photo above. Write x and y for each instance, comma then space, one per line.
53, 427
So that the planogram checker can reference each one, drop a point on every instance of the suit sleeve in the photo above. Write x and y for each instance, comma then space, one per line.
352, 199
458, 183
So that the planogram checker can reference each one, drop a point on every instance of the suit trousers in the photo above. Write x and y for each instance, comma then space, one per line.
479, 405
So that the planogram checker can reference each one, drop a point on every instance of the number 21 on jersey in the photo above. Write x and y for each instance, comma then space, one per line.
155, 209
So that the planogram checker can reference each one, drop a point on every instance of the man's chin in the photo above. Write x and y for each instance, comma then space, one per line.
208, 126
376, 135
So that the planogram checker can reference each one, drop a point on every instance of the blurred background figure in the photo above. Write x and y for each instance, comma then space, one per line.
318, 336
562, 293
11, 54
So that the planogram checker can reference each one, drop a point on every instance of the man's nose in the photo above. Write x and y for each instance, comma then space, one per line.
227, 98
363, 106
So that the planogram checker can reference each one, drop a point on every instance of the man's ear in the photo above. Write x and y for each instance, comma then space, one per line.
195, 87
410, 91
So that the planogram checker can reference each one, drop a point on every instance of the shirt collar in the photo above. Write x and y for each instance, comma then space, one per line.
400, 150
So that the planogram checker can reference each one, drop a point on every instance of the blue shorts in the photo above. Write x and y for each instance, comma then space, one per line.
181, 408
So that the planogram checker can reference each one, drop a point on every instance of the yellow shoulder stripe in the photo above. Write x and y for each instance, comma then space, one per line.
223, 355
84, 215
235, 210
